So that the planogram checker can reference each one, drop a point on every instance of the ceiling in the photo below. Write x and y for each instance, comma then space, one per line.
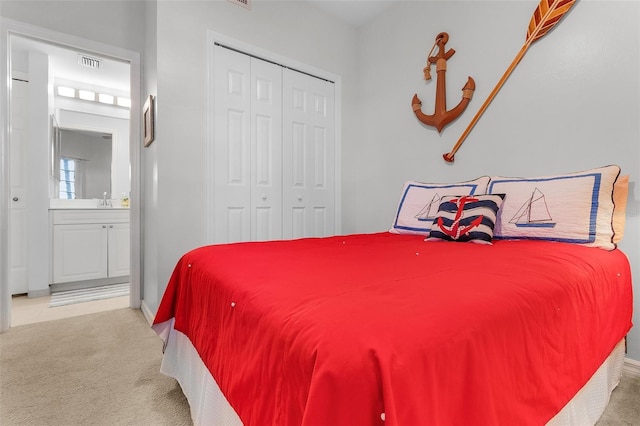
114, 74
353, 12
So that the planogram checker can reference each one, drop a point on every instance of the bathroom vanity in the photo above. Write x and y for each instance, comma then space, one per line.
90, 246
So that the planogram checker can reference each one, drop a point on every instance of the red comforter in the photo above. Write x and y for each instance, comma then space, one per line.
351, 330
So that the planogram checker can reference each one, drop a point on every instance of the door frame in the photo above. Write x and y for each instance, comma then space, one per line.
9, 27
214, 38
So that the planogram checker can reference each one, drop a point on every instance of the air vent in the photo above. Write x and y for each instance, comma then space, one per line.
89, 62
244, 3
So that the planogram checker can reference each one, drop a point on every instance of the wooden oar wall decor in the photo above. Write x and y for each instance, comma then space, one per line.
546, 16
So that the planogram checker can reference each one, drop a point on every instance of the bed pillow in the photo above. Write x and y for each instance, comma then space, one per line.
419, 203
620, 194
574, 208
466, 218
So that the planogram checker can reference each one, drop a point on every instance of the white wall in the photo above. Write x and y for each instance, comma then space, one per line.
149, 169
176, 217
116, 23
571, 104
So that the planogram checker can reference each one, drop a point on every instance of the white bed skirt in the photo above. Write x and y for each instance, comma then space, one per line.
209, 406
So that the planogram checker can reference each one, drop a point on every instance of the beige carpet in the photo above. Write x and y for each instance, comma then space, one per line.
97, 369
104, 369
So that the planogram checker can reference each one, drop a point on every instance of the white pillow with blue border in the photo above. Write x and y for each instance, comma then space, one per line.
419, 203
572, 208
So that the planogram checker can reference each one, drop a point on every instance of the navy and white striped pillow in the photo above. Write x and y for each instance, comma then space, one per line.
466, 218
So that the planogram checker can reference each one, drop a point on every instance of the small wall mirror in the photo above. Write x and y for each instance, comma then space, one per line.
90, 156
84, 164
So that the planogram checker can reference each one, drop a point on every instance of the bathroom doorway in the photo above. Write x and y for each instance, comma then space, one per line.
34, 50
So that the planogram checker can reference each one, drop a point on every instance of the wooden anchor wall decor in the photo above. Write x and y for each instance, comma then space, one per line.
441, 117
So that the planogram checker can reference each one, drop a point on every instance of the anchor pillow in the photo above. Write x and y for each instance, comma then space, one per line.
574, 208
419, 203
466, 218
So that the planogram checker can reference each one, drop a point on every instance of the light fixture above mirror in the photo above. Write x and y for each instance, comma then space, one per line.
91, 96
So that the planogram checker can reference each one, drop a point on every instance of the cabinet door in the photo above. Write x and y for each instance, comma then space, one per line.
79, 252
308, 153
119, 249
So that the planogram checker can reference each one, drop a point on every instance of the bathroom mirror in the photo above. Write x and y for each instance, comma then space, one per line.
84, 163
101, 143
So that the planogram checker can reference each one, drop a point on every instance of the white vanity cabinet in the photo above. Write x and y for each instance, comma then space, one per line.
90, 244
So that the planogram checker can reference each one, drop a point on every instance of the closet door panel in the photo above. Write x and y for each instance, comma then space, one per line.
320, 221
295, 183
297, 159
320, 158
309, 145
274, 153
234, 224
266, 150
322, 174
232, 151
298, 225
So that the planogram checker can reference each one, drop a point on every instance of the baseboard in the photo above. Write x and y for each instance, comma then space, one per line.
77, 285
38, 293
631, 367
146, 312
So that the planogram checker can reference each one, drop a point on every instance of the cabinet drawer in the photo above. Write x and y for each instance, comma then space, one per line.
80, 216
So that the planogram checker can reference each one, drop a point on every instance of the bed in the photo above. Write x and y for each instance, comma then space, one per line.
436, 321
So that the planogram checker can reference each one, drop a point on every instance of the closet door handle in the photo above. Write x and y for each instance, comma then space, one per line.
110, 226
104, 226
15, 198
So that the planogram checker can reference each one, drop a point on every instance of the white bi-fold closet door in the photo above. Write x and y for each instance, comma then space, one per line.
274, 151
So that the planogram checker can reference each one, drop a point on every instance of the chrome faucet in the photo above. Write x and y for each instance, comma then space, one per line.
104, 202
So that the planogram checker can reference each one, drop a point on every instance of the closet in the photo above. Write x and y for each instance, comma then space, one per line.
273, 153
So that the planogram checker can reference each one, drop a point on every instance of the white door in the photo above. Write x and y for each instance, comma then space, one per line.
232, 145
247, 151
119, 248
18, 283
266, 151
308, 155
